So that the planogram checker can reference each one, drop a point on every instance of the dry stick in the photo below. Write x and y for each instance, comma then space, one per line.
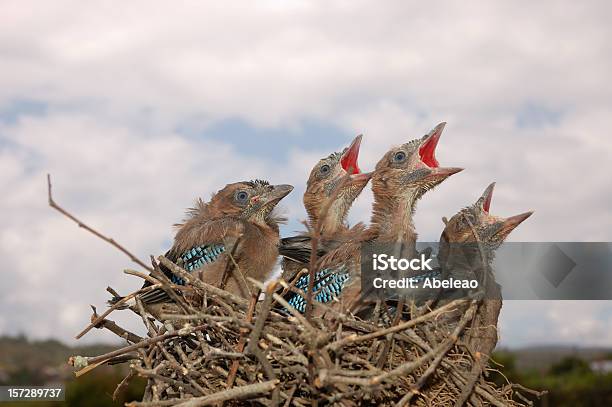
389, 340
353, 339
91, 230
145, 319
295, 313
240, 348
261, 317
152, 373
114, 307
256, 334
168, 287
196, 282
236, 393
123, 385
93, 360
442, 351
114, 328
230, 266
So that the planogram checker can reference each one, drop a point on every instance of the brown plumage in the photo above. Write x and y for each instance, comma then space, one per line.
459, 251
240, 214
327, 207
402, 176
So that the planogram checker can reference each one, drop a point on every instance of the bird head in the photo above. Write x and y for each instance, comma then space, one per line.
338, 170
252, 201
408, 171
491, 230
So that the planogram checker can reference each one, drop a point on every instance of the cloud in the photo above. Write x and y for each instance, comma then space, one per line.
136, 110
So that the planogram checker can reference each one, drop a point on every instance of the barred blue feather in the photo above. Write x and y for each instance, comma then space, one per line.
190, 260
328, 285
198, 256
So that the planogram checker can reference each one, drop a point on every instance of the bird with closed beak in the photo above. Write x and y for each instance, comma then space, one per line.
238, 219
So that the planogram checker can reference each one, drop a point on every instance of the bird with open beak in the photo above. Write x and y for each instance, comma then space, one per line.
402, 176
332, 187
239, 219
471, 229
472, 221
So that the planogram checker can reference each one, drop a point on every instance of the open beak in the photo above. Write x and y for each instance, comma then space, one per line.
427, 154
509, 224
350, 156
486, 197
427, 151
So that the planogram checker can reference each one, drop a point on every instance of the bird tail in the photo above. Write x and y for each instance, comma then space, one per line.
115, 300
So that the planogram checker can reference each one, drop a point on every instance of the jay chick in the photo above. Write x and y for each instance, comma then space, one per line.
242, 214
459, 252
321, 196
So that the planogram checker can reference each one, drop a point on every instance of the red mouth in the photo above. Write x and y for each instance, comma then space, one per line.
350, 156
488, 196
427, 151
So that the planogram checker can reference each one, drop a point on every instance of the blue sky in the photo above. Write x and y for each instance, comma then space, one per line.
136, 111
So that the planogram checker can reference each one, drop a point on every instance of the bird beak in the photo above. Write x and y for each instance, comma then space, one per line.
509, 224
486, 197
445, 172
278, 192
427, 150
350, 156
362, 176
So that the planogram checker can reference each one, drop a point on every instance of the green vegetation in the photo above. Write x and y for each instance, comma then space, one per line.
24, 362
569, 381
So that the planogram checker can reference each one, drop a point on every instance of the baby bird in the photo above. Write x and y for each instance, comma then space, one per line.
402, 176
240, 214
458, 239
321, 196
459, 252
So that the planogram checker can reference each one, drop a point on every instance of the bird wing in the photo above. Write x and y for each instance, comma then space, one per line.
328, 284
298, 249
197, 247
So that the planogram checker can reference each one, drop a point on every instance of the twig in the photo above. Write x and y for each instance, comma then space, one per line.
192, 280
114, 328
91, 230
353, 339
235, 393
114, 307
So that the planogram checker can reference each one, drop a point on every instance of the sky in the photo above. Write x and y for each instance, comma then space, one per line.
138, 108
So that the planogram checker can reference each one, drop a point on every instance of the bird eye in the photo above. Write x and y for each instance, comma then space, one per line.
242, 196
324, 169
399, 157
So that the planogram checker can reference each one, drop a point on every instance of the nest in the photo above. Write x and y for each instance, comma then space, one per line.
212, 346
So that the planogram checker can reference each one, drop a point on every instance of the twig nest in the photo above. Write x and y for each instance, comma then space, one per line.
227, 349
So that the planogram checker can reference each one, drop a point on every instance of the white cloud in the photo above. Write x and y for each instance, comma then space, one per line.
118, 81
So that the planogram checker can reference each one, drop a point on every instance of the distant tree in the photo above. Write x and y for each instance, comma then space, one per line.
570, 365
